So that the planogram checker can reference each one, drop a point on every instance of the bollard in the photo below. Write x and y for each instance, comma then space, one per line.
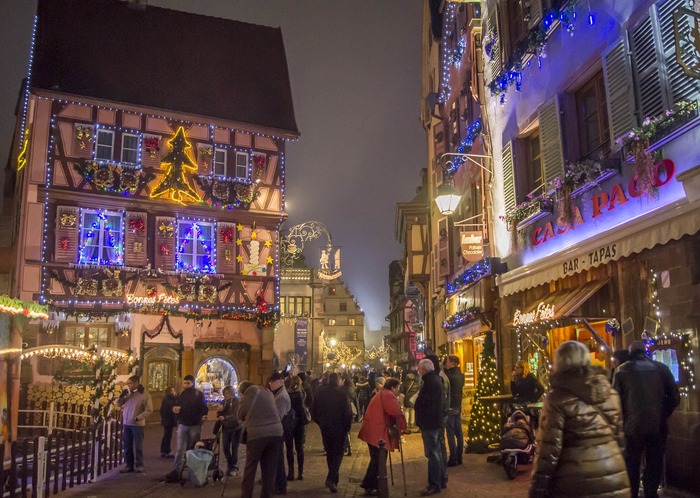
382, 484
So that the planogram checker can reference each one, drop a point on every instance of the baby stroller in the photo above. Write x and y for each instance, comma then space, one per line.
517, 444
199, 461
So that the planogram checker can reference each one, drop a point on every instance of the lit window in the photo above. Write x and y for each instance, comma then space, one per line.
331, 291
195, 246
351, 321
242, 165
130, 148
101, 237
85, 337
331, 321
105, 145
220, 162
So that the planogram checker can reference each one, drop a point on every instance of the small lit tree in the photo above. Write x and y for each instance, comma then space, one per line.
484, 424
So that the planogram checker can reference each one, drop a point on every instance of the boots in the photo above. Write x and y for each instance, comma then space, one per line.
290, 474
300, 476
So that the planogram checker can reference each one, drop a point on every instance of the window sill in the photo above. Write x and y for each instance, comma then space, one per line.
537, 211
679, 129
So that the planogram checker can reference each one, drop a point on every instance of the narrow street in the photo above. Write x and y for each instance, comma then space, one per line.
474, 479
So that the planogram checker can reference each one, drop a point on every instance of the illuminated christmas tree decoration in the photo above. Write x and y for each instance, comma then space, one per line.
101, 238
174, 183
484, 424
194, 251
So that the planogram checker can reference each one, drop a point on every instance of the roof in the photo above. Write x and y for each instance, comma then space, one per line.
164, 58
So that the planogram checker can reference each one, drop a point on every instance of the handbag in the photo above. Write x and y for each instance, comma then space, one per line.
244, 433
392, 430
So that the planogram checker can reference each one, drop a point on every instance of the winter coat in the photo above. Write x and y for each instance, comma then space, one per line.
526, 389
192, 407
136, 406
364, 392
649, 394
430, 403
230, 413
298, 399
579, 439
456, 385
409, 388
331, 410
349, 389
259, 416
383, 411
167, 417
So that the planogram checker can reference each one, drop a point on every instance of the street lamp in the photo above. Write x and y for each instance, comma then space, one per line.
447, 199
333, 342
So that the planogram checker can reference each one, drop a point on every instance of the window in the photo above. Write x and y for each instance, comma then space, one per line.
130, 148
352, 336
591, 110
283, 306
295, 306
85, 337
101, 237
533, 156
105, 145
351, 321
195, 246
220, 162
331, 291
343, 306
242, 165
331, 321
515, 24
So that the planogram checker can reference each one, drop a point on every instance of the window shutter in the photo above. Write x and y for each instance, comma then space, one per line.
536, 11
205, 158
67, 234
135, 239
83, 140
226, 248
436, 262
508, 176
494, 64
680, 85
166, 241
551, 140
617, 72
443, 248
651, 97
151, 149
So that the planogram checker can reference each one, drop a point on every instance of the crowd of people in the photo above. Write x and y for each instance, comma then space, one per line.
592, 431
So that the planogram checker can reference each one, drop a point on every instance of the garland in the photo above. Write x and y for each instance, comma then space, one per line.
480, 269
18, 307
234, 346
227, 194
460, 318
473, 131
112, 177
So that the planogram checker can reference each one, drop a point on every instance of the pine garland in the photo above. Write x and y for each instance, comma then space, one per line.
485, 421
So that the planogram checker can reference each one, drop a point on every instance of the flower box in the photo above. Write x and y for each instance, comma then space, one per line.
610, 168
535, 210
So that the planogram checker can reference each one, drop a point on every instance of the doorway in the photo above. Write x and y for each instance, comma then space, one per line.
161, 368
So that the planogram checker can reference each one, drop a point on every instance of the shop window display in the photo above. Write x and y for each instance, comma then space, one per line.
215, 374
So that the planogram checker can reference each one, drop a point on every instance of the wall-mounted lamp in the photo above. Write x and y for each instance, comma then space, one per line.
447, 198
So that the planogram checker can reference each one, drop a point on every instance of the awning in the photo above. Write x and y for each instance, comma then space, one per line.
632, 238
468, 329
561, 303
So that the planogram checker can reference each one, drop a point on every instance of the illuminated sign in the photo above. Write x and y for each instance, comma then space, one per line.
602, 255
472, 246
134, 300
602, 203
541, 313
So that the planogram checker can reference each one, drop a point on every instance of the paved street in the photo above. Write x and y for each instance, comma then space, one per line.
475, 478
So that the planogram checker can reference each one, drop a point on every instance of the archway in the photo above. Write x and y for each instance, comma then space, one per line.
161, 366
215, 373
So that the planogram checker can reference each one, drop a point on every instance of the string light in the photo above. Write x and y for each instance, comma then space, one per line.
484, 423
471, 275
447, 49
100, 237
109, 355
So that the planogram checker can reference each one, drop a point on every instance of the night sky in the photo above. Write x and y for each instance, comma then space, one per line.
355, 74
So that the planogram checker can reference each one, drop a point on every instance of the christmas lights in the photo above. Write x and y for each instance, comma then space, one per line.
195, 247
473, 274
460, 318
484, 423
101, 243
447, 49
19, 307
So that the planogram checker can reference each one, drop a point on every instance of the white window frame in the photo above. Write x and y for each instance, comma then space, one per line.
215, 164
102, 331
102, 244
247, 165
195, 250
98, 132
136, 150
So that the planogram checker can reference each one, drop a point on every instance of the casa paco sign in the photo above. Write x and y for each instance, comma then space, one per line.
602, 203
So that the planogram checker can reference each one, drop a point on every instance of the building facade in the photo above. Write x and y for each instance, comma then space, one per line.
593, 115
149, 191
343, 333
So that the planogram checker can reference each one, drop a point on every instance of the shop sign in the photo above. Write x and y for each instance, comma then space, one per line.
134, 300
472, 246
600, 256
540, 314
301, 330
603, 203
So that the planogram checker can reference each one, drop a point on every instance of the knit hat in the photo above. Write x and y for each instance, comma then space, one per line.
276, 376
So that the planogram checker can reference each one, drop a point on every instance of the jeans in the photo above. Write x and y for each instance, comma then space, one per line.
409, 414
133, 446
431, 448
652, 446
187, 436
297, 441
455, 437
280, 475
230, 440
265, 451
165, 447
443, 455
333, 443
371, 481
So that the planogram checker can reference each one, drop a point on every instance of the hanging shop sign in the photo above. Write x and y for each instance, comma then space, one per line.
599, 205
134, 300
685, 29
472, 246
542, 313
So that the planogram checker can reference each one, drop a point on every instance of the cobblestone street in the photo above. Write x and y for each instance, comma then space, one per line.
475, 478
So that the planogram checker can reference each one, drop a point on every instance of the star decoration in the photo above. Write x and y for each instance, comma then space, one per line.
239, 242
268, 243
254, 235
269, 260
239, 258
239, 227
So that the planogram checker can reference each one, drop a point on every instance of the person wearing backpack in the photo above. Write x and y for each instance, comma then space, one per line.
284, 408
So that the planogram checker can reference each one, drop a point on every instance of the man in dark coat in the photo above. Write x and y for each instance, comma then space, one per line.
331, 411
455, 437
429, 418
649, 395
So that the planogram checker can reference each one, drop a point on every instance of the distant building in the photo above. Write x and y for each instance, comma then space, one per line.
344, 323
